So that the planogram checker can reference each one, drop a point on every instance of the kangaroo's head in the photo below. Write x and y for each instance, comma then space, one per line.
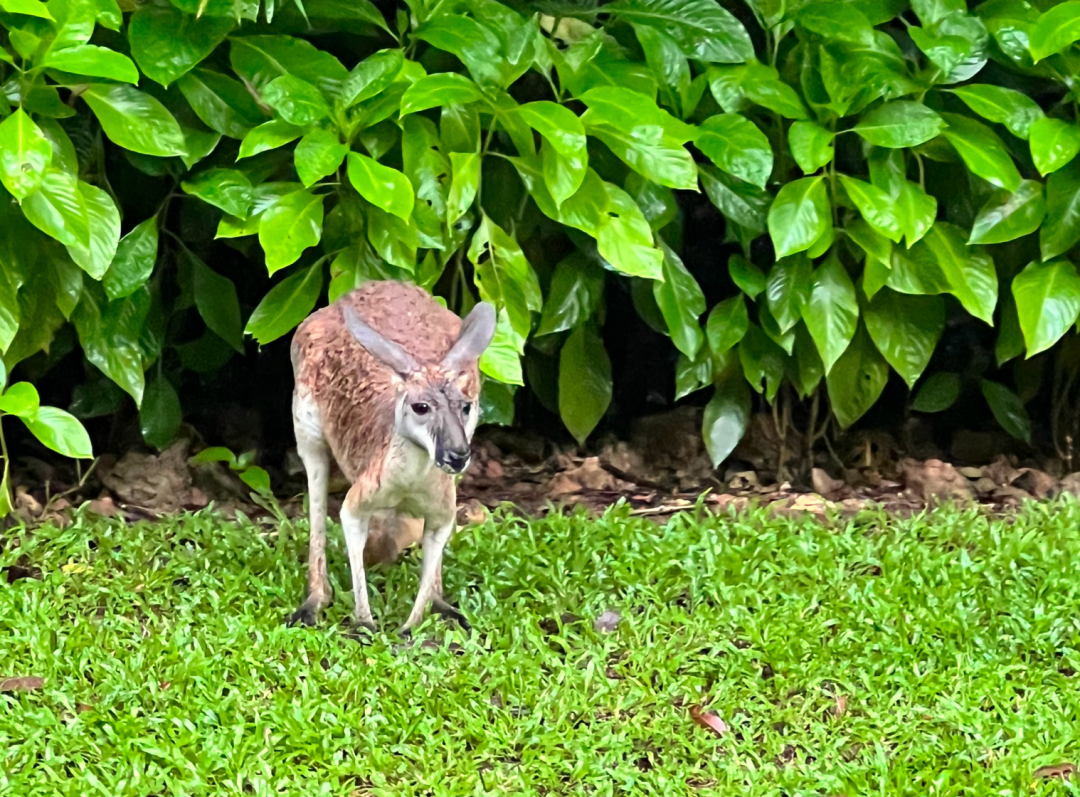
437, 405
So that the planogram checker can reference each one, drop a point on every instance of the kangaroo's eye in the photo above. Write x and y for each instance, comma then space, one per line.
466, 410
421, 409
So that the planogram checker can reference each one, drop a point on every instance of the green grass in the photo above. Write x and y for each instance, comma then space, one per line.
952, 637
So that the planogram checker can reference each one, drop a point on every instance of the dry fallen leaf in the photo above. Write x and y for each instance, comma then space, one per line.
840, 709
26, 684
1063, 771
607, 622
709, 720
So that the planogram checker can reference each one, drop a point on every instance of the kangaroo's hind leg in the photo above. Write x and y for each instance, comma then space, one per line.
315, 454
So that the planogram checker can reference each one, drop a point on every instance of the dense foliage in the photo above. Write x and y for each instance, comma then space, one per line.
869, 159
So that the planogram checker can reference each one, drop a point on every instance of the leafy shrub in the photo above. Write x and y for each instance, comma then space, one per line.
870, 160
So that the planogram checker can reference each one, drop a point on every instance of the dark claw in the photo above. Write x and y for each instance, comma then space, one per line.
448, 612
361, 632
304, 616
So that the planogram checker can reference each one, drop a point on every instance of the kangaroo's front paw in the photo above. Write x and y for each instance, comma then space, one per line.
448, 612
307, 614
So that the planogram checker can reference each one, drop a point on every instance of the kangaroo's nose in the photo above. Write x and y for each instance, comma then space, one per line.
457, 461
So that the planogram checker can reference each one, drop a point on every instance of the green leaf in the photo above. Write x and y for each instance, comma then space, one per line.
25, 153
900, 124
95, 256
1055, 30
857, 379
1061, 229
220, 102
370, 77
31, 8
167, 44
217, 302
937, 393
1054, 143
576, 293
727, 324
693, 375
703, 29
799, 216
726, 418
1009, 107
319, 154
438, 91
382, 186
20, 399
1006, 217
61, 432
92, 61
762, 85
473, 43
762, 359
160, 414
394, 238
267, 136
135, 121
633, 114
625, 240
842, 21
742, 203
1008, 409
970, 272
464, 184
290, 226
257, 479
63, 151
296, 101
875, 206
286, 305
651, 154
110, 333
215, 454
564, 156
681, 302
811, 146
748, 277
584, 382
1047, 303
982, 150
260, 59
832, 312
504, 275
905, 329
787, 291
227, 189
134, 260
737, 146
58, 209
502, 359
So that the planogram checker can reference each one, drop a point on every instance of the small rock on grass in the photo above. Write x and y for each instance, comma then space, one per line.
935, 480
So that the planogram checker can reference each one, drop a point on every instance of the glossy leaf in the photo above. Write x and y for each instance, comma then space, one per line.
737, 146
799, 216
787, 291
1054, 142
217, 302
937, 393
1008, 409
61, 432
167, 44
900, 124
160, 415
267, 136
832, 311
681, 301
876, 207
382, 186
227, 189
748, 277
905, 330
1006, 217
370, 77
970, 272
704, 30
1060, 230
584, 382
296, 101
857, 379
982, 151
625, 240
1047, 302
57, 208
134, 260
577, 290
286, 305
95, 256
811, 146
110, 334
319, 154
92, 61
293, 224
1009, 107
25, 153
135, 120
464, 184
1055, 30
727, 324
220, 102
726, 418
439, 91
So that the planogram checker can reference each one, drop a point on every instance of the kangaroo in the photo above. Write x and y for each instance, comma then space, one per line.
387, 382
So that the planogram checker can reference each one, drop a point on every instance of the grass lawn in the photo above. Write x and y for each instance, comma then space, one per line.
928, 656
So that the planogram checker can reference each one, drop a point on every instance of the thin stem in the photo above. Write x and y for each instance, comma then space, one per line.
4, 485
922, 171
483, 152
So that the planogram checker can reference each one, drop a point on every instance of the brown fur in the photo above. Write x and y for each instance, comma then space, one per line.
355, 392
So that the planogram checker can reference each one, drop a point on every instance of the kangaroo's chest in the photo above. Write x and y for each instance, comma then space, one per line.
410, 481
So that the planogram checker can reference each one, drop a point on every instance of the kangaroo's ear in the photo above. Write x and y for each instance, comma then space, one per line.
385, 351
477, 330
